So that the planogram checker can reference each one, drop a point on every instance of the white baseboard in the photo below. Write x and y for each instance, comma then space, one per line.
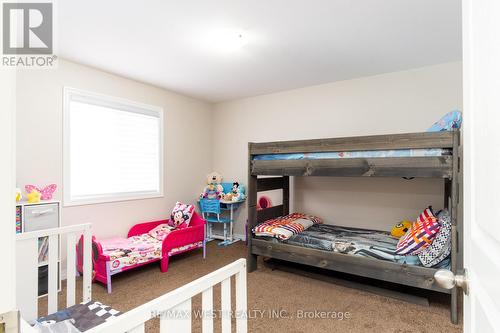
240, 237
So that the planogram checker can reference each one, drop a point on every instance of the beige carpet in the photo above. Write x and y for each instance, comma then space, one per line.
276, 298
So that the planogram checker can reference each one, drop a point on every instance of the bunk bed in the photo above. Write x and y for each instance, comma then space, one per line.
419, 155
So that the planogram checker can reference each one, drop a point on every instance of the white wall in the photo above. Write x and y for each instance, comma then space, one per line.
39, 142
407, 101
7, 191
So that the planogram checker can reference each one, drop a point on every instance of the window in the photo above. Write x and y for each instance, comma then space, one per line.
113, 149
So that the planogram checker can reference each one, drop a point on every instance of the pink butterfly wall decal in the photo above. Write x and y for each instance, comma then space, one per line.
46, 192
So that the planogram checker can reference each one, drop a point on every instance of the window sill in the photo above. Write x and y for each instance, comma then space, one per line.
114, 199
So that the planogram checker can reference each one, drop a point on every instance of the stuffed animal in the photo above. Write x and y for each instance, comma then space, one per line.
34, 196
214, 189
400, 229
236, 194
19, 195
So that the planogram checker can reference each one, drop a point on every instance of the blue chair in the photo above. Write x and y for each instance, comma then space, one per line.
211, 212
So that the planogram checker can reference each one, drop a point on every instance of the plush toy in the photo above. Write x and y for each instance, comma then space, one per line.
400, 229
46, 192
236, 194
34, 196
214, 189
19, 195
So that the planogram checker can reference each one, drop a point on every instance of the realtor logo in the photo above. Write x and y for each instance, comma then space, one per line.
28, 34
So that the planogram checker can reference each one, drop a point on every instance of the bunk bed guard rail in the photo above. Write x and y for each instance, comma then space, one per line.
436, 166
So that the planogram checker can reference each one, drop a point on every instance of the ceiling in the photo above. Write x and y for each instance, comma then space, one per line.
285, 44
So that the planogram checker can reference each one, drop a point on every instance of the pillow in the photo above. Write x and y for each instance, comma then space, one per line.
448, 122
441, 245
285, 227
288, 230
160, 231
420, 235
181, 216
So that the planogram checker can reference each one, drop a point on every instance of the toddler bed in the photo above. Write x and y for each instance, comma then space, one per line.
145, 243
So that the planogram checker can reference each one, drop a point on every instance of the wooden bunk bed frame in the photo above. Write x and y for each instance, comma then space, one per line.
444, 167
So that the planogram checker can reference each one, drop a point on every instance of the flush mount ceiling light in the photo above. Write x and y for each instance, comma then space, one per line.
225, 40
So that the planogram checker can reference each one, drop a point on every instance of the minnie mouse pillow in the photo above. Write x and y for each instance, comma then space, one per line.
181, 215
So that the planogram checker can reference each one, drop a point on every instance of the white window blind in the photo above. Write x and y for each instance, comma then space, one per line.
113, 149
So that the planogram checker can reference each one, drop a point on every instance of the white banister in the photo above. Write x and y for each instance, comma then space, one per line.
53, 272
241, 301
207, 307
137, 329
87, 264
175, 310
225, 294
180, 321
70, 270
27, 263
27, 277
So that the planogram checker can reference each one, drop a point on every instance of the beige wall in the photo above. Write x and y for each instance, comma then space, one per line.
407, 101
39, 142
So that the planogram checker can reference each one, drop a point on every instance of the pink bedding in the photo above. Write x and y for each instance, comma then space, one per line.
131, 251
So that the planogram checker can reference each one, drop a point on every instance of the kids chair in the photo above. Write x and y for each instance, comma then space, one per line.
211, 212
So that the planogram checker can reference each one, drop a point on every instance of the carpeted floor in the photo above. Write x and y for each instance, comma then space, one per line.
278, 301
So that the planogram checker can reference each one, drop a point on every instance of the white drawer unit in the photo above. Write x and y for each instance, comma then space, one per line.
39, 216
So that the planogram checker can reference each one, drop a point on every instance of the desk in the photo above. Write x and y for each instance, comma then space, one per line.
230, 206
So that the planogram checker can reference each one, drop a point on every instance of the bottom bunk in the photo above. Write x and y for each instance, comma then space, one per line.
303, 239
410, 275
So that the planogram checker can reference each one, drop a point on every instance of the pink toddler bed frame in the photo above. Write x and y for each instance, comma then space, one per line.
191, 235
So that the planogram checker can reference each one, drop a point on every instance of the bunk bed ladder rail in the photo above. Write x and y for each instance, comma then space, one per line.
174, 309
28, 261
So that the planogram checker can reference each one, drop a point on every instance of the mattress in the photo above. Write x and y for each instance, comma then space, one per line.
353, 241
356, 154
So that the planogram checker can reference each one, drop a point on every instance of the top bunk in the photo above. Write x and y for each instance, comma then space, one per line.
425, 154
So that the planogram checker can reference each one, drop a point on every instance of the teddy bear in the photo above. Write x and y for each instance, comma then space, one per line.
214, 189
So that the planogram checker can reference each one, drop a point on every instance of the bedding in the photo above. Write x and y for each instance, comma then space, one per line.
77, 318
356, 154
161, 231
354, 241
123, 252
447, 122
131, 251
420, 235
441, 245
285, 227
